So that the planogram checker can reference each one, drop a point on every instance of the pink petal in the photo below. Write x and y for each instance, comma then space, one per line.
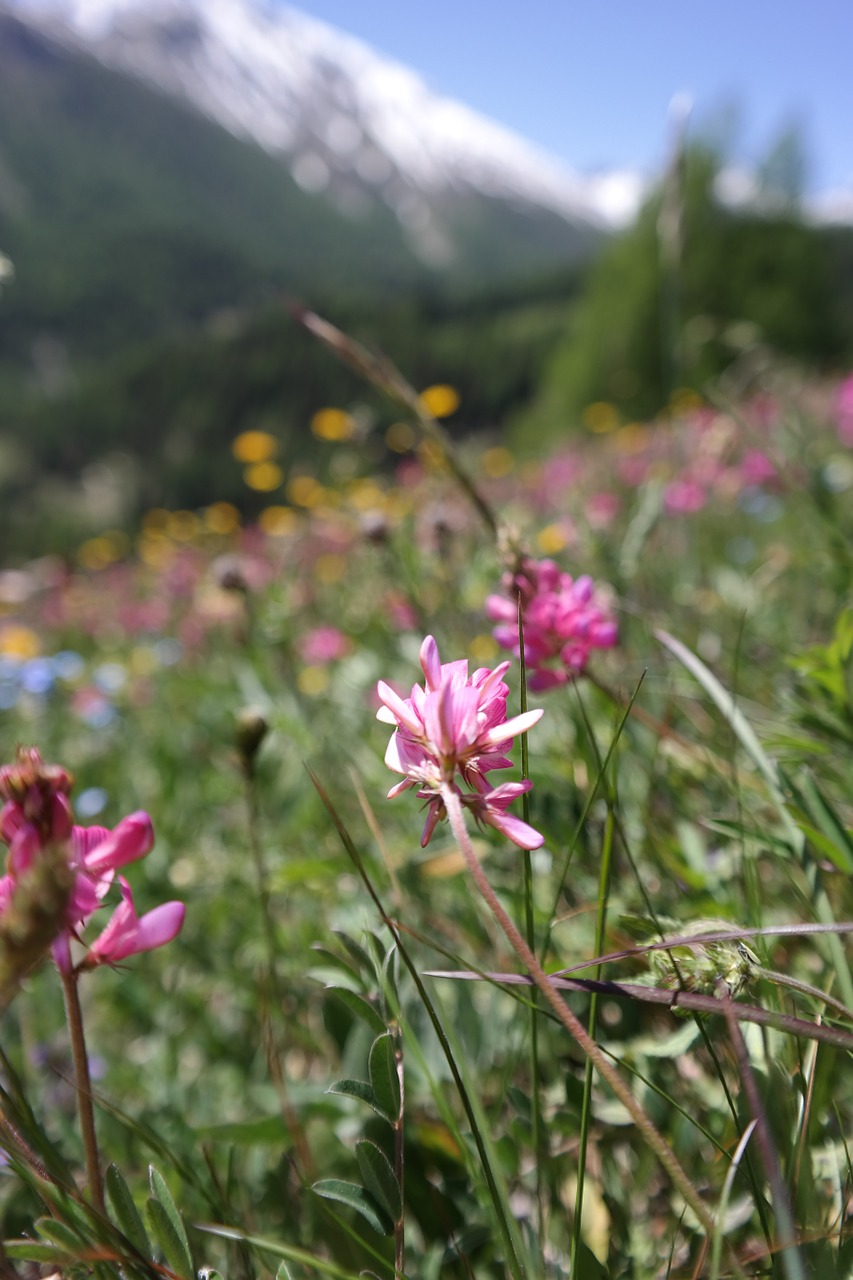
509, 729
131, 839
431, 663
126, 934
513, 828
401, 713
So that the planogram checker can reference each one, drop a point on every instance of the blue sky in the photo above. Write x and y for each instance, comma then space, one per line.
592, 82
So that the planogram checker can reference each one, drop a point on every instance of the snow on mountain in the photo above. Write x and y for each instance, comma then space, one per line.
347, 121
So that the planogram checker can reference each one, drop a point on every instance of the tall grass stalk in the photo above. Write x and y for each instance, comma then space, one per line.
572, 1024
507, 1227
586, 1106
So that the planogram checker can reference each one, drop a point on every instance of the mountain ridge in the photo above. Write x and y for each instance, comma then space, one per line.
348, 120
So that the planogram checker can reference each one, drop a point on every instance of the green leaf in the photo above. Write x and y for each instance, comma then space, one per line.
163, 1230
379, 1178
360, 1007
62, 1235
350, 1193
125, 1213
739, 725
836, 843
338, 962
168, 1226
384, 1080
363, 963
589, 1268
283, 1272
358, 1089
33, 1251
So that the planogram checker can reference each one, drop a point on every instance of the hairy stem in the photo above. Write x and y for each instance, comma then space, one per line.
83, 1083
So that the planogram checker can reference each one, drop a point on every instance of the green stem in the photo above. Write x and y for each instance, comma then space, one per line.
603, 891
272, 993
83, 1083
399, 1158
573, 1025
530, 933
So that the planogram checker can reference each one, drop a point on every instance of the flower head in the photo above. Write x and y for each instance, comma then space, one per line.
564, 619
57, 874
454, 725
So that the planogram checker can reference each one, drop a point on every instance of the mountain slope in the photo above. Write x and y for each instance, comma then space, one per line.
127, 213
346, 119
124, 213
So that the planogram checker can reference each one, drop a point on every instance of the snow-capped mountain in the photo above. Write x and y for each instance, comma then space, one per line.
347, 121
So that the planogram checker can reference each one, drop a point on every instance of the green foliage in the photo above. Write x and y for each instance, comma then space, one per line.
657, 317
687, 758
161, 420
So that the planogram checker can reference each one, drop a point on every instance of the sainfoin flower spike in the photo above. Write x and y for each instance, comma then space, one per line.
36, 823
454, 728
563, 620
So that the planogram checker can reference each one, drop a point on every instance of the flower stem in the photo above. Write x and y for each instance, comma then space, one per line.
83, 1082
573, 1025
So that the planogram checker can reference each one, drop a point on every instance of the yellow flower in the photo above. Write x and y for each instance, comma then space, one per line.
263, 476
332, 424
254, 446
440, 400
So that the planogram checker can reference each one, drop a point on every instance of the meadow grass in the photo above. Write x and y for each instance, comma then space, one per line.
619, 1050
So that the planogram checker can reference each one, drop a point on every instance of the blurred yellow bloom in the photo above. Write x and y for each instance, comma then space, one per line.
685, 400
497, 462
365, 495
154, 549
400, 437
332, 424
483, 649
440, 401
263, 476
312, 681
155, 519
305, 491
97, 553
278, 522
330, 568
254, 446
221, 517
600, 417
551, 539
183, 526
19, 642
633, 438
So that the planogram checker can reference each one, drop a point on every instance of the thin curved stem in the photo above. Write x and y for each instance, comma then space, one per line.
573, 1025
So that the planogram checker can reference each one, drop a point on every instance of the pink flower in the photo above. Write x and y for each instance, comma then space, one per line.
563, 621
126, 934
684, 497
323, 645
756, 468
844, 410
37, 815
601, 509
455, 724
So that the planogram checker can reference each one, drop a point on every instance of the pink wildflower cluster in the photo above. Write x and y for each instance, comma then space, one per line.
455, 727
844, 410
36, 817
562, 619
